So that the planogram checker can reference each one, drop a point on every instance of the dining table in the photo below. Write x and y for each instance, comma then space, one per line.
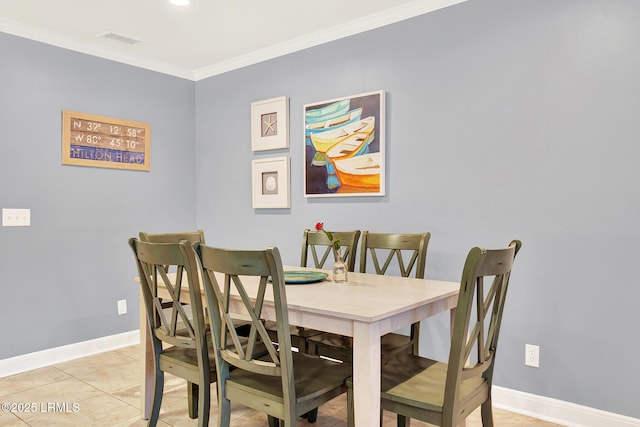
365, 308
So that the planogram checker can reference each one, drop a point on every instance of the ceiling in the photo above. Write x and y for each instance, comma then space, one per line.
206, 38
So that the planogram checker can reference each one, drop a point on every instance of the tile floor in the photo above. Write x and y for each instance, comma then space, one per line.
103, 391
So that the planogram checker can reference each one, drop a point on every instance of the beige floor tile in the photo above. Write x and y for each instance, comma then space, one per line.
68, 391
134, 352
99, 411
139, 422
31, 379
7, 419
107, 371
129, 394
506, 418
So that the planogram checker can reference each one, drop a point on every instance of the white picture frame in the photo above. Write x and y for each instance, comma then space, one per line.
270, 124
270, 183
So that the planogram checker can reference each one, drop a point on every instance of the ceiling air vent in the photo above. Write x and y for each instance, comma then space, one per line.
118, 37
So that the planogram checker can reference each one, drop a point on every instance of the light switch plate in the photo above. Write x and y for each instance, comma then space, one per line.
16, 217
122, 306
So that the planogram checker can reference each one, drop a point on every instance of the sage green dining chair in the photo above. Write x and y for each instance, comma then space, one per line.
318, 245
282, 383
178, 332
444, 394
317, 252
382, 253
176, 237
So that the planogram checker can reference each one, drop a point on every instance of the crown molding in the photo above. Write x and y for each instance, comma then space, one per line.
390, 16
370, 22
59, 40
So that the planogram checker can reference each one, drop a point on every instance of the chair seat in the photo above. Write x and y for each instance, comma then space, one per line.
339, 346
420, 382
184, 360
313, 375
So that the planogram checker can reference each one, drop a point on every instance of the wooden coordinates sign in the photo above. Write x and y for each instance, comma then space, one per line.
104, 142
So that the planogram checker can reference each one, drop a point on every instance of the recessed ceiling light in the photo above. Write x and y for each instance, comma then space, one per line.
180, 2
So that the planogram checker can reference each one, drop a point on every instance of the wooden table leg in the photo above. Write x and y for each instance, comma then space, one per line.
366, 374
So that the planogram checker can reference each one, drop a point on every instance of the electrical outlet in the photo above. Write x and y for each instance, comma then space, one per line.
122, 306
532, 355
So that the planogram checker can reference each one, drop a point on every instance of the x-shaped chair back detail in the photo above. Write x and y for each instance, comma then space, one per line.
154, 260
408, 250
175, 237
321, 247
235, 267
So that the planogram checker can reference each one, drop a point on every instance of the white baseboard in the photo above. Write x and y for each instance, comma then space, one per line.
557, 411
544, 408
40, 359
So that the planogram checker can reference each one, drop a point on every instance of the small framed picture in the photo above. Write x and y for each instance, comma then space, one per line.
270, 182
270, 124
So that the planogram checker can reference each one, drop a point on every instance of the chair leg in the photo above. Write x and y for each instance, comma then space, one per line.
157, 398
311, 416
486, 413
192, 397
273, 421
204, 404
350, 416
224, 412
403, 421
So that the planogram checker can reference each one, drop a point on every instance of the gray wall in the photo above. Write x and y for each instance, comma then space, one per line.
505, 119
62, 276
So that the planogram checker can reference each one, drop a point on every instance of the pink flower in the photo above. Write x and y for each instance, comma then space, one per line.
334, 242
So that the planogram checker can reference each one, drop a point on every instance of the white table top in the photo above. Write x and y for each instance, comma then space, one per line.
366, 297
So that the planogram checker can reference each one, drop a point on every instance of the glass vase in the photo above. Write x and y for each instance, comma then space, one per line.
340, 269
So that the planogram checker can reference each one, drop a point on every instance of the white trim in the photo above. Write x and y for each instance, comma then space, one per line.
380, 19
557, 411
40, 359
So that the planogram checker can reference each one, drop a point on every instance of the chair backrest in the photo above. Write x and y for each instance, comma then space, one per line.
408, 251
189, 236
248, 276
170, 323
474, 343
320, 247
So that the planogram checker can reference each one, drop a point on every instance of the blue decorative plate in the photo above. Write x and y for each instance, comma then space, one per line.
301, 277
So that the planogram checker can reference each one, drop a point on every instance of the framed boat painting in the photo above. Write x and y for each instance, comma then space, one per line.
270, 182
344, 146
